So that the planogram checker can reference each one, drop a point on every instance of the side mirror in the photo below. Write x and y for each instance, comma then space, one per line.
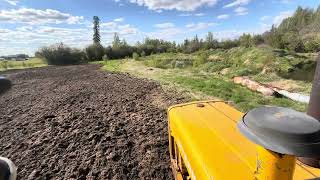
281, 135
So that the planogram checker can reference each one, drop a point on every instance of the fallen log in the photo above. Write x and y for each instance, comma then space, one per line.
268, 90
254, 86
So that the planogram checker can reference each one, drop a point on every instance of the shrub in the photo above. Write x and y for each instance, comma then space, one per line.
135, 56
163, 63
246, 41
201, 59
215, 66
105, 57
4, 64
95, 52
312, 46
143, 54
61, 55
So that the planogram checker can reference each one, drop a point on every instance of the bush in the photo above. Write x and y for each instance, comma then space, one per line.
201, 59
163, 63
135, 56
4, 64
95, 52
312, 46
215, 66
143, 54
61, 55
105, 57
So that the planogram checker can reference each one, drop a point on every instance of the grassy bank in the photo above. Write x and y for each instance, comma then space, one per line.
200, 84
31, 63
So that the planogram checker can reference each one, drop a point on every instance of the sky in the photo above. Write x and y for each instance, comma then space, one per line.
27, 25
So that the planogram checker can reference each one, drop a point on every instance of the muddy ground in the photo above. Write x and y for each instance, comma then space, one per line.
77, 122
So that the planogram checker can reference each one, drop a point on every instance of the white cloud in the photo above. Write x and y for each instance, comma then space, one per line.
36, 16
189, 14
117, 27
285, 1
119, 20
166, 33
199, 14
27, 39
237, 3
12, 2
199, 26
223, 16
185, 15
180, 5
240, 11
164, 25
227, 34
264, 27
264, 18
108, 25
283, 15
127, 29
4, 31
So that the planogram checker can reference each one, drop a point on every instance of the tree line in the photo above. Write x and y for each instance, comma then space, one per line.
299, 33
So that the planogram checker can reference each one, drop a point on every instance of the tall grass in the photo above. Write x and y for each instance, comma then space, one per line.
34, 62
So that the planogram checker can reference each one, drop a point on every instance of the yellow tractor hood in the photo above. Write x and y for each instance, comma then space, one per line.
211, 145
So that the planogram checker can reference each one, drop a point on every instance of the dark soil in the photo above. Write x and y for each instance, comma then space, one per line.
77, 122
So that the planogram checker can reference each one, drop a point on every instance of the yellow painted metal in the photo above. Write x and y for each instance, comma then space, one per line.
211, 145
274, 166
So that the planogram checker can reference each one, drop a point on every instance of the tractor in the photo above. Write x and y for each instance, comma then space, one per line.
213, 140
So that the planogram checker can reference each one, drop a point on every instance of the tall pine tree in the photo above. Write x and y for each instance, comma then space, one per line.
96, 30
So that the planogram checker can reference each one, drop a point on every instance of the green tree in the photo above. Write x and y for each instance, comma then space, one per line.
60, 54
135, 56
116, 43
274, 38
143, 54
210, 42
257, 40
96, 30
293, 42
95, 52
312, 45
246, 40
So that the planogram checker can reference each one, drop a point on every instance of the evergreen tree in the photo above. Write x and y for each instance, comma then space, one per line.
96, 30
210, 42
246, 40
116, 43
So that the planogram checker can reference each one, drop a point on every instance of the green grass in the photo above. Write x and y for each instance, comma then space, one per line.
243, 98
205, 84
262, 64
111, 65
32, 63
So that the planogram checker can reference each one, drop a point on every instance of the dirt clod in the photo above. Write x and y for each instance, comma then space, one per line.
77, 122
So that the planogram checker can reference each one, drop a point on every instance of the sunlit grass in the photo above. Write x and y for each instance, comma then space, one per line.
31, 63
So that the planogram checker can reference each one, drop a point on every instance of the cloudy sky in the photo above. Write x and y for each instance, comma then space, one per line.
26, 25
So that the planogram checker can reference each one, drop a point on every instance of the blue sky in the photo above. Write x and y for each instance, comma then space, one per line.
26, 25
